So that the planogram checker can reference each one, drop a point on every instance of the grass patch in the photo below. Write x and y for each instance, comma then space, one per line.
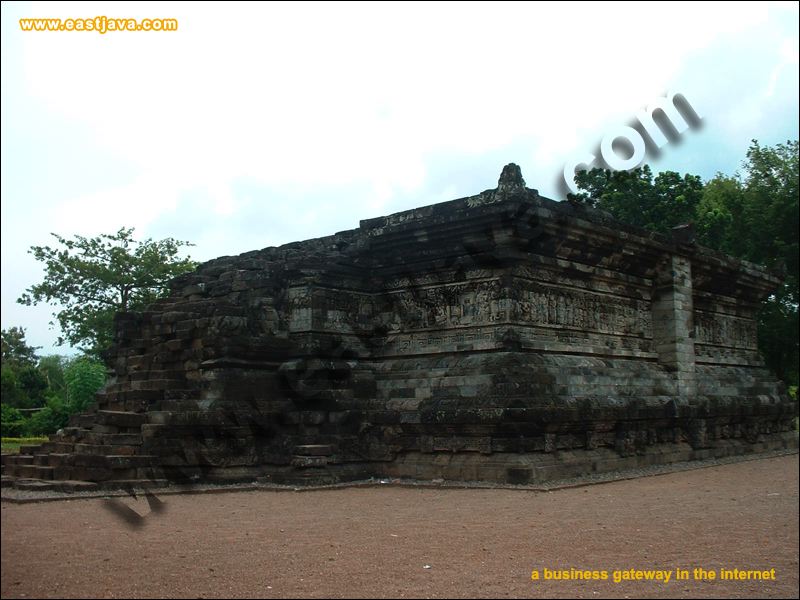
11, 445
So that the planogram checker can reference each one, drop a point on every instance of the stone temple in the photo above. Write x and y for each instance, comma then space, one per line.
502, 337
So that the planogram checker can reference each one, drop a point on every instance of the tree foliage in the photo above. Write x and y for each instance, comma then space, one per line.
770, 212
637, 198
91, 279
21, 383
83, 377
64, 387
52, 369
94, 278
12, 423
770, 208
15, 349
751, 215
50, 419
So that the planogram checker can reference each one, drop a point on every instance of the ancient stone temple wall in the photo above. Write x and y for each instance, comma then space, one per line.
502, 337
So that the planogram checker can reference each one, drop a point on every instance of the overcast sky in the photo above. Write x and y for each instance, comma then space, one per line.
256, 125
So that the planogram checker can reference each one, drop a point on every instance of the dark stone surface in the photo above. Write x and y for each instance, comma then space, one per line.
501, 337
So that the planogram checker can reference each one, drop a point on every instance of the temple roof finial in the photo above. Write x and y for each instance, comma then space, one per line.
511, 179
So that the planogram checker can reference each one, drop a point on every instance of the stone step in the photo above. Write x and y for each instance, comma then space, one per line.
41, 460
53, 444
120, 419
95, 461
114, 484
74, 486
182, 395
30, 450
316, 439
104, 449
54, 485
76, 431
310, 476
150, 430
305, 462
113, 439
82, 420
158, 384
183, 405
152, 391
18, 459
196, 417
93, 449
82, 473
159, 375
313, 450
57, 460
108, 429
136, 406
131, 462
126, 396
31, 472
35, 485
65, 460
59, 447
68, 435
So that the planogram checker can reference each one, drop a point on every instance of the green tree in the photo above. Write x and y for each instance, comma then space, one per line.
771, 208
752, 215
58, 386
771, 214
50, 419
11, 390
52, 369
636, 197
12, 423
22, 384
83, 377
94, 278
719, 212
15, 350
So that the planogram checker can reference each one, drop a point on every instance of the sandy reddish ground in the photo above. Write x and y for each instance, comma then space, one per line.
375, 542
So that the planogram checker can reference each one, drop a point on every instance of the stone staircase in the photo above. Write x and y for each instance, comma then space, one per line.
98, 446
119, 449
310, 463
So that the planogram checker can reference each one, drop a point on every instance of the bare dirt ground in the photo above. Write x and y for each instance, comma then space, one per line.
406, 542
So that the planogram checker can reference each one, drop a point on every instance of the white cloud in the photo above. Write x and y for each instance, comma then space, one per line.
788, 60
351, 96
330, 94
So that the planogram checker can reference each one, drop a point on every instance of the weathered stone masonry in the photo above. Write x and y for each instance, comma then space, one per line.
502, 337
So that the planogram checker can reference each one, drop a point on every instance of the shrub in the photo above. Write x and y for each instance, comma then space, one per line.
50, 419
12, 423
83, 378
